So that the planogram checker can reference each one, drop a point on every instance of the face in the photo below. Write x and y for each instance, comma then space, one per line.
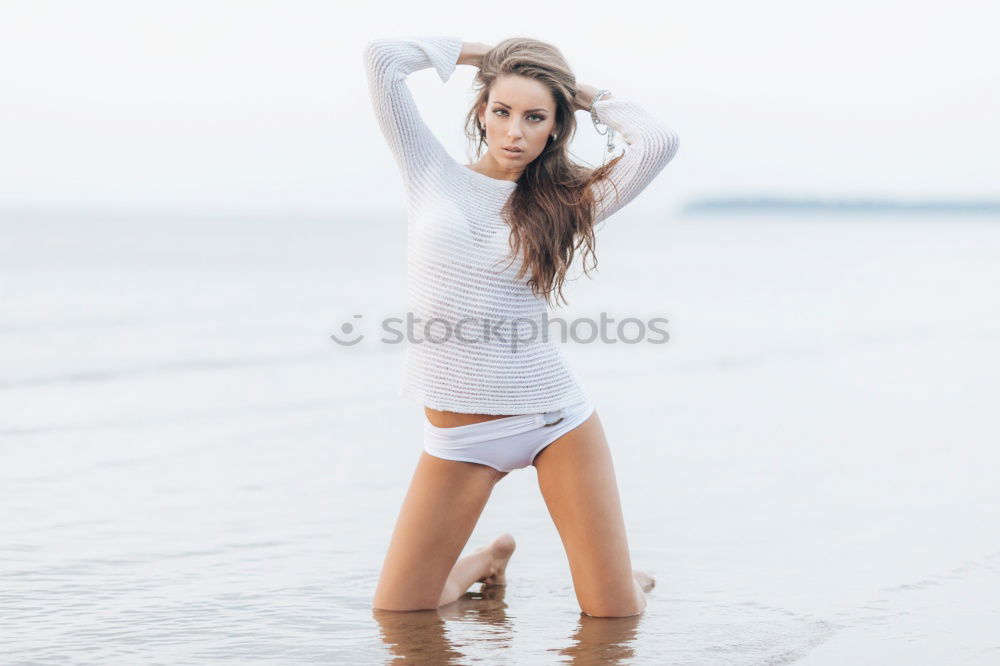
520, 113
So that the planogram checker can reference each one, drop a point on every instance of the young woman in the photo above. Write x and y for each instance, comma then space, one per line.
488, 244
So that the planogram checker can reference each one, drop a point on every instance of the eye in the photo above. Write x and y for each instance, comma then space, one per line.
538, 118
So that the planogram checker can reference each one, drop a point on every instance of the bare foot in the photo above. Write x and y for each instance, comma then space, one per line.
502, 548
646, 582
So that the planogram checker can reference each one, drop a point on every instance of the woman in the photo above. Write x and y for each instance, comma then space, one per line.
488, 244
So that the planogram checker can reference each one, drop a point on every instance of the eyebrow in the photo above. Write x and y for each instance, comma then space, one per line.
541, 108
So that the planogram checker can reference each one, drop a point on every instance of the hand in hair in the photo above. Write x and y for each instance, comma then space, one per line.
472, 53
584, 96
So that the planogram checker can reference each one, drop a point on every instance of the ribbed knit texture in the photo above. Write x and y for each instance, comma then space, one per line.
485, 352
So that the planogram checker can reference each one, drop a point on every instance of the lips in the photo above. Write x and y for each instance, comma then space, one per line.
512, 150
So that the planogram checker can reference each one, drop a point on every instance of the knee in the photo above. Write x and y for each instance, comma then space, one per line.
611, 609
612, 613
381, 606
390, 602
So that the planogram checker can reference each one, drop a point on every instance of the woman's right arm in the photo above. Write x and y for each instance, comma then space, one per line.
388, 61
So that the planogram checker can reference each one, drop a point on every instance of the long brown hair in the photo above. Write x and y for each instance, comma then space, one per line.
551, 211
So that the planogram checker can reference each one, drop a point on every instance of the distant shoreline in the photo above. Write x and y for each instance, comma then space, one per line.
859, 205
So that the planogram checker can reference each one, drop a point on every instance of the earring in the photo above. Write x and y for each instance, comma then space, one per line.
553, 136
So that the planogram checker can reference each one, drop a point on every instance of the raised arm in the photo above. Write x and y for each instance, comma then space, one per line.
651, 145
388, 61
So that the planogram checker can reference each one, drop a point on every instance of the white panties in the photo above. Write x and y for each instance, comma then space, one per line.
507, 443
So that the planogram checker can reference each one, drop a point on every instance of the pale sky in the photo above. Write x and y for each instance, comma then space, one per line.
250, 105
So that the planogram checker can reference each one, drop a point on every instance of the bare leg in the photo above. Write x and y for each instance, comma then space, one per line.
485, 565
441, 508
577, 479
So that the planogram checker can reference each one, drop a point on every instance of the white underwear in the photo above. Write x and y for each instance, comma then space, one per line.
507, 443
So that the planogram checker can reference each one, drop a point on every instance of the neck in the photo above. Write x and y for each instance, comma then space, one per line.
489, 167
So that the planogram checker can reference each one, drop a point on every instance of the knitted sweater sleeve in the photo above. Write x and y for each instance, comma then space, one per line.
388, 61
651, 145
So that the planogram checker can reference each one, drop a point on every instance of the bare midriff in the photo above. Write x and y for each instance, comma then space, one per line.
443, 419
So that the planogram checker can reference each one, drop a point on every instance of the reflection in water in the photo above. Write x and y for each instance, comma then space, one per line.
603, 640
423, 636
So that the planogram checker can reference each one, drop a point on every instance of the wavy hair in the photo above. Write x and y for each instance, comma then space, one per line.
551, 212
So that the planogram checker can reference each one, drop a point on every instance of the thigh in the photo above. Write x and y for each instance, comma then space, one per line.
442, 505
577, 479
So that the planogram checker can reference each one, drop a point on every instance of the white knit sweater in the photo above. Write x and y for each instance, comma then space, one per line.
477, 344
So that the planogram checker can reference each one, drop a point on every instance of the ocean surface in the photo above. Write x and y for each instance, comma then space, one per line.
194, 472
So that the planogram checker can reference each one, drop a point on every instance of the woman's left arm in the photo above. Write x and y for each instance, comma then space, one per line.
651, 146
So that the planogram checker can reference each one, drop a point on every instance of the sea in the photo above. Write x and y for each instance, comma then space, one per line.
195, 472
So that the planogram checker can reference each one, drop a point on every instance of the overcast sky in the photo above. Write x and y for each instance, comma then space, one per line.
264, 105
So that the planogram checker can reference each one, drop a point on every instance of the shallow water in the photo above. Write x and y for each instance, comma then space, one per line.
193, 472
